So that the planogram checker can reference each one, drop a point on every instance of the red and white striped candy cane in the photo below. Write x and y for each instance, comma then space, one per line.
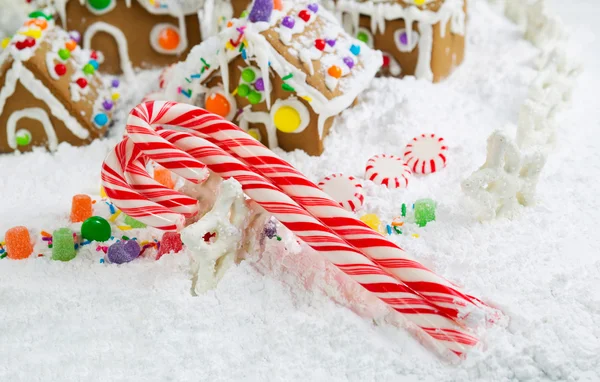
389, 256
442, 332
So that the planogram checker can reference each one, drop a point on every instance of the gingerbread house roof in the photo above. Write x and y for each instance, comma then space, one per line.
302, 43
70, 85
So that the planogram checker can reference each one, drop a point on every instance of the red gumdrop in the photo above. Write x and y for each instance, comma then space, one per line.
60, 69
320, 44
82, 82
170, 242
304, 15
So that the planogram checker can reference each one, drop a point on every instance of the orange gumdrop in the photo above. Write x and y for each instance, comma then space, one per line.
18, 243
163, 176
335, 71
71, 45
218, 104
81, 208
168, 39
277, 5
40, 23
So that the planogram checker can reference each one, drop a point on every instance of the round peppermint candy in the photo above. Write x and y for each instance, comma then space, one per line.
426, 154
388, 170
346, 190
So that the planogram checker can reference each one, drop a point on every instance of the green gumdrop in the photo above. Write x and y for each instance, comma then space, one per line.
36, 14
64, 54
99, 4
88, 69
248, 75
424, 212
63, 245
362, 36
134, 223
243, 90
24, 139
96, 229
254, 98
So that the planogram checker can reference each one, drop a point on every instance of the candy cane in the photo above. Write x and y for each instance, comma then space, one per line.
435, 289
442, 331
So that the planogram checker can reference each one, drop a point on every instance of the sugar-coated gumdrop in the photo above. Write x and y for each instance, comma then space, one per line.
18, 243
133, 223
424, 212
63, 245
170, 242
261, 11
96, 229
81, 208
123, 251
373, 221
163, 176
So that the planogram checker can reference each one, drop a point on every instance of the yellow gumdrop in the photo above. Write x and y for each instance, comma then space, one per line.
5, 42
372, 221
287, 119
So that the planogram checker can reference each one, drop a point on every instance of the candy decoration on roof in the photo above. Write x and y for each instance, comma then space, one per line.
34, 64
426, 154
388, 170
346, 190
284, 80
421, 38
261, 11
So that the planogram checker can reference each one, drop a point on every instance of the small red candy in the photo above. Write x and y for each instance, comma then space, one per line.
27, 43
320, 44
82, 82
304, 15
386, 61
170, 242
94, 55
60, 69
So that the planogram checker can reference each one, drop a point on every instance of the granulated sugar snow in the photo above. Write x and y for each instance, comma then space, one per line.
83, 320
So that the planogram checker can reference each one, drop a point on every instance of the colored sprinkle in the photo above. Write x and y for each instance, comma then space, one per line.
278, 238
389, 229
397, 230
124, 237
3, 255
306, 98
45, 234
206, 65
101, 261
288, 88
124, 228
114, 216
403, 210
196, 75
111, 207
288, 77
415, 235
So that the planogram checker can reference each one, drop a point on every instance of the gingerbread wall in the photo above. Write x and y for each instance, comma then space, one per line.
136, 23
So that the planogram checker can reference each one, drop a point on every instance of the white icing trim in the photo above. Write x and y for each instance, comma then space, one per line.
37, 114
119, 37
154, 33
259, 117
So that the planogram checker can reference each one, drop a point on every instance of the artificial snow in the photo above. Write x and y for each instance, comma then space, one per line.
84, 320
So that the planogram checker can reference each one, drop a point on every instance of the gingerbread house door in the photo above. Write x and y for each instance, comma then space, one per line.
29, 135
112, 36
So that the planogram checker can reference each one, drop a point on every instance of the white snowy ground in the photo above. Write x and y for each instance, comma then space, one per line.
138, 322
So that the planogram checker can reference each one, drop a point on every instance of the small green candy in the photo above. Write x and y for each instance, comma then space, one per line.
89, 69
99, 4
254, 98
24, 138
244, 14
96, 229
64, 54
63, 245
424, 212
248, 75
362, 36
243, 90
36, 14
133, 223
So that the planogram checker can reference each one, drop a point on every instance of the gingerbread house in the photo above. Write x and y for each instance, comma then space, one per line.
281, 74
50, 90
132, 34
422, 38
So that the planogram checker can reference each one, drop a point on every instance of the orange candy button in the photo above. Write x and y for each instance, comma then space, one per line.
168, 39
277, 5
335, 71
81, 208
218, 104
71, 45
18, 243
163, 176
40, 23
